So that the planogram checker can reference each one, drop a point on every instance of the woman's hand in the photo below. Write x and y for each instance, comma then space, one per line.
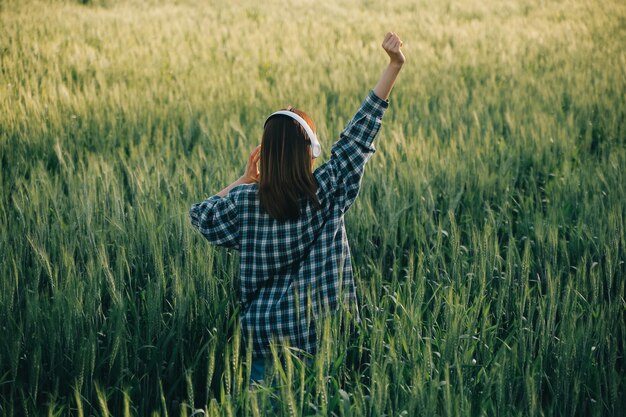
392, 45
252, 169
250, 176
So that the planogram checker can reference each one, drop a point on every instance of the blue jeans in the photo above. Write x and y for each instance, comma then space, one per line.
259, 366
257, 373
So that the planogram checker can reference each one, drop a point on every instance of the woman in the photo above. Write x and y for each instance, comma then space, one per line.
288, 222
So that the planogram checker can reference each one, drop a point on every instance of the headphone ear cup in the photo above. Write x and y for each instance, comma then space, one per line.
316, 149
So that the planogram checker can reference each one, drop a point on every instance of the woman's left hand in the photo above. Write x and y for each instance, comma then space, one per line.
252, 170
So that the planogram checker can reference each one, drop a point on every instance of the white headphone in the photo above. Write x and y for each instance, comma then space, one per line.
316, 149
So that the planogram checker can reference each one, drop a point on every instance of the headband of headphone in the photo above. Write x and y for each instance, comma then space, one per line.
316, 149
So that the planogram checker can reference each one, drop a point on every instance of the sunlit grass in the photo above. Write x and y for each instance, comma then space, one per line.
488, 239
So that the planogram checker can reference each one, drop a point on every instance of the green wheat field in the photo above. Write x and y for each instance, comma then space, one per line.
488, 239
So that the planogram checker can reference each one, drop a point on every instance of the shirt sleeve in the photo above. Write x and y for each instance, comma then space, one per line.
340, 177
217, 220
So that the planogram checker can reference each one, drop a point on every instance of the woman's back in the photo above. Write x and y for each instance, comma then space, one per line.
293, 271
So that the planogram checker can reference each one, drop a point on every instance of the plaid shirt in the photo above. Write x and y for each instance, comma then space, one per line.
293, 272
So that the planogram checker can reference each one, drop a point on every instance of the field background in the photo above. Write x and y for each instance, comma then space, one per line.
488, 238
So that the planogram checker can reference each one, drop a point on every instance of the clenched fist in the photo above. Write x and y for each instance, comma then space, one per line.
392, 45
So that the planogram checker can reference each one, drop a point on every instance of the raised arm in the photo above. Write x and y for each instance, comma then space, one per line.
391, 45
340, 177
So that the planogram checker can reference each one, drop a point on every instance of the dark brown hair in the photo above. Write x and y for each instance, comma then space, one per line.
285, 167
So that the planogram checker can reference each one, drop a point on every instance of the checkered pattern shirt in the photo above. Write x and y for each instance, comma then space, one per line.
295, 271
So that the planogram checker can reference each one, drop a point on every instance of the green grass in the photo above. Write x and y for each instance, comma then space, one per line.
488, 239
